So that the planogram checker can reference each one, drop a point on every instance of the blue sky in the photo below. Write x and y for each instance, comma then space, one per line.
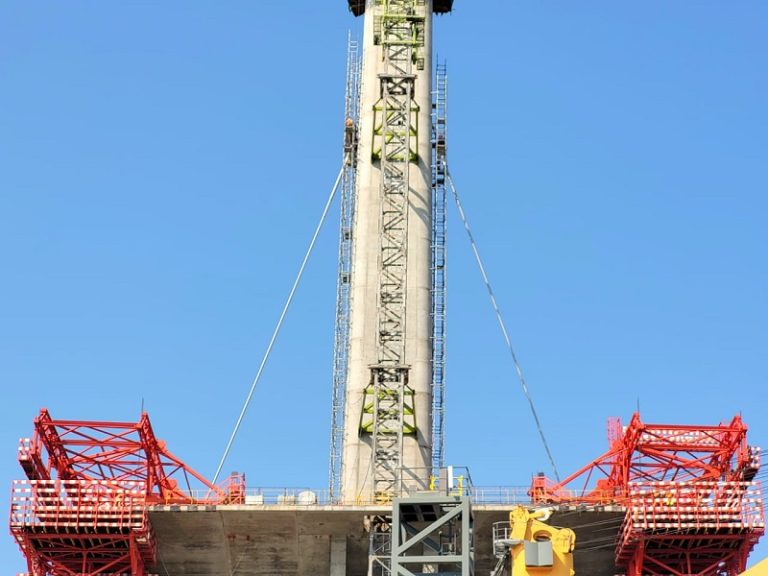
162, 166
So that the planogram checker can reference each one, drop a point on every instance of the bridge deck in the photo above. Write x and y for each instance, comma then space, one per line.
247, 540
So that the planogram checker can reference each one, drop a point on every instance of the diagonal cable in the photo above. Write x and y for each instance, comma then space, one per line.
278, 326
503, 327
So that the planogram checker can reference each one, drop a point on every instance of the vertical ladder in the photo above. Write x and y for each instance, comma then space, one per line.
346, 221
400, 31
439, 225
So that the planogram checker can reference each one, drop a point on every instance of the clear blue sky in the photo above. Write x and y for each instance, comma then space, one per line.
162, 165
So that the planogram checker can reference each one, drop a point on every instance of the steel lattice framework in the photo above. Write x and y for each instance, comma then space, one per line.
121, 451
704, 528
389, 397
693, 506
656, 453
80, 527
343, 287
83, 508
439, 229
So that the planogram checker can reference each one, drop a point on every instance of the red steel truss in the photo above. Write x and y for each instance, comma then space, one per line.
655, 453
75, 527
80, 450
83, 509
703, 527
692, 505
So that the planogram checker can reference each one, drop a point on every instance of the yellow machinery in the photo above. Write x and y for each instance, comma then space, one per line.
760, 569
527, 546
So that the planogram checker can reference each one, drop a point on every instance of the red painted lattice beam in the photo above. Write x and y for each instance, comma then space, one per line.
653, 452
83, 511
693, 507
96, 450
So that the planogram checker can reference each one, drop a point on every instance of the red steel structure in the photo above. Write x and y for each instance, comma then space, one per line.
693, 507
83, 508
682, 528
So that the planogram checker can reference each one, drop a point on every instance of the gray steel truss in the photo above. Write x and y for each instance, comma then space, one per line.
400, 32
432, 534
427, 534
439, 230
380, 546
343, 286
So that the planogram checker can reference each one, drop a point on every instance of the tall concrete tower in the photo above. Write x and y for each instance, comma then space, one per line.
387, 420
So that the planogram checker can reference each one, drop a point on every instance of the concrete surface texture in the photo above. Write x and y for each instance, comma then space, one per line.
296, 541
356, 474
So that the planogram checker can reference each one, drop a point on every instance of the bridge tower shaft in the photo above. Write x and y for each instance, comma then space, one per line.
387, 413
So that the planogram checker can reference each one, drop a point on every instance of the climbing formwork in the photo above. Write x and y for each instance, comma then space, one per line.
82, 527
692, 504
690, 528
83, 508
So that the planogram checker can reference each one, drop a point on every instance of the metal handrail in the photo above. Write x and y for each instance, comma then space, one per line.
77, 503
694, 504
304, 496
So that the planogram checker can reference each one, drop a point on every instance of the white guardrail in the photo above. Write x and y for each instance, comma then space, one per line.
273, 496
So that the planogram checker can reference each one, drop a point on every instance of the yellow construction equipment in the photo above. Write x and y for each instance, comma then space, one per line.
529, 547
759, 569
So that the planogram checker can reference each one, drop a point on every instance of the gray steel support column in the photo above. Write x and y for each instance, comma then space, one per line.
432, 533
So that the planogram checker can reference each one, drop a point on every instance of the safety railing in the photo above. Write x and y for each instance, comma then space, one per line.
77, 504
271, 496
491, 495
25, 447
288, 497
545, 491
308, 497
684, 436
671, 505
30, 458
694, 509
450, 481
502, 534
